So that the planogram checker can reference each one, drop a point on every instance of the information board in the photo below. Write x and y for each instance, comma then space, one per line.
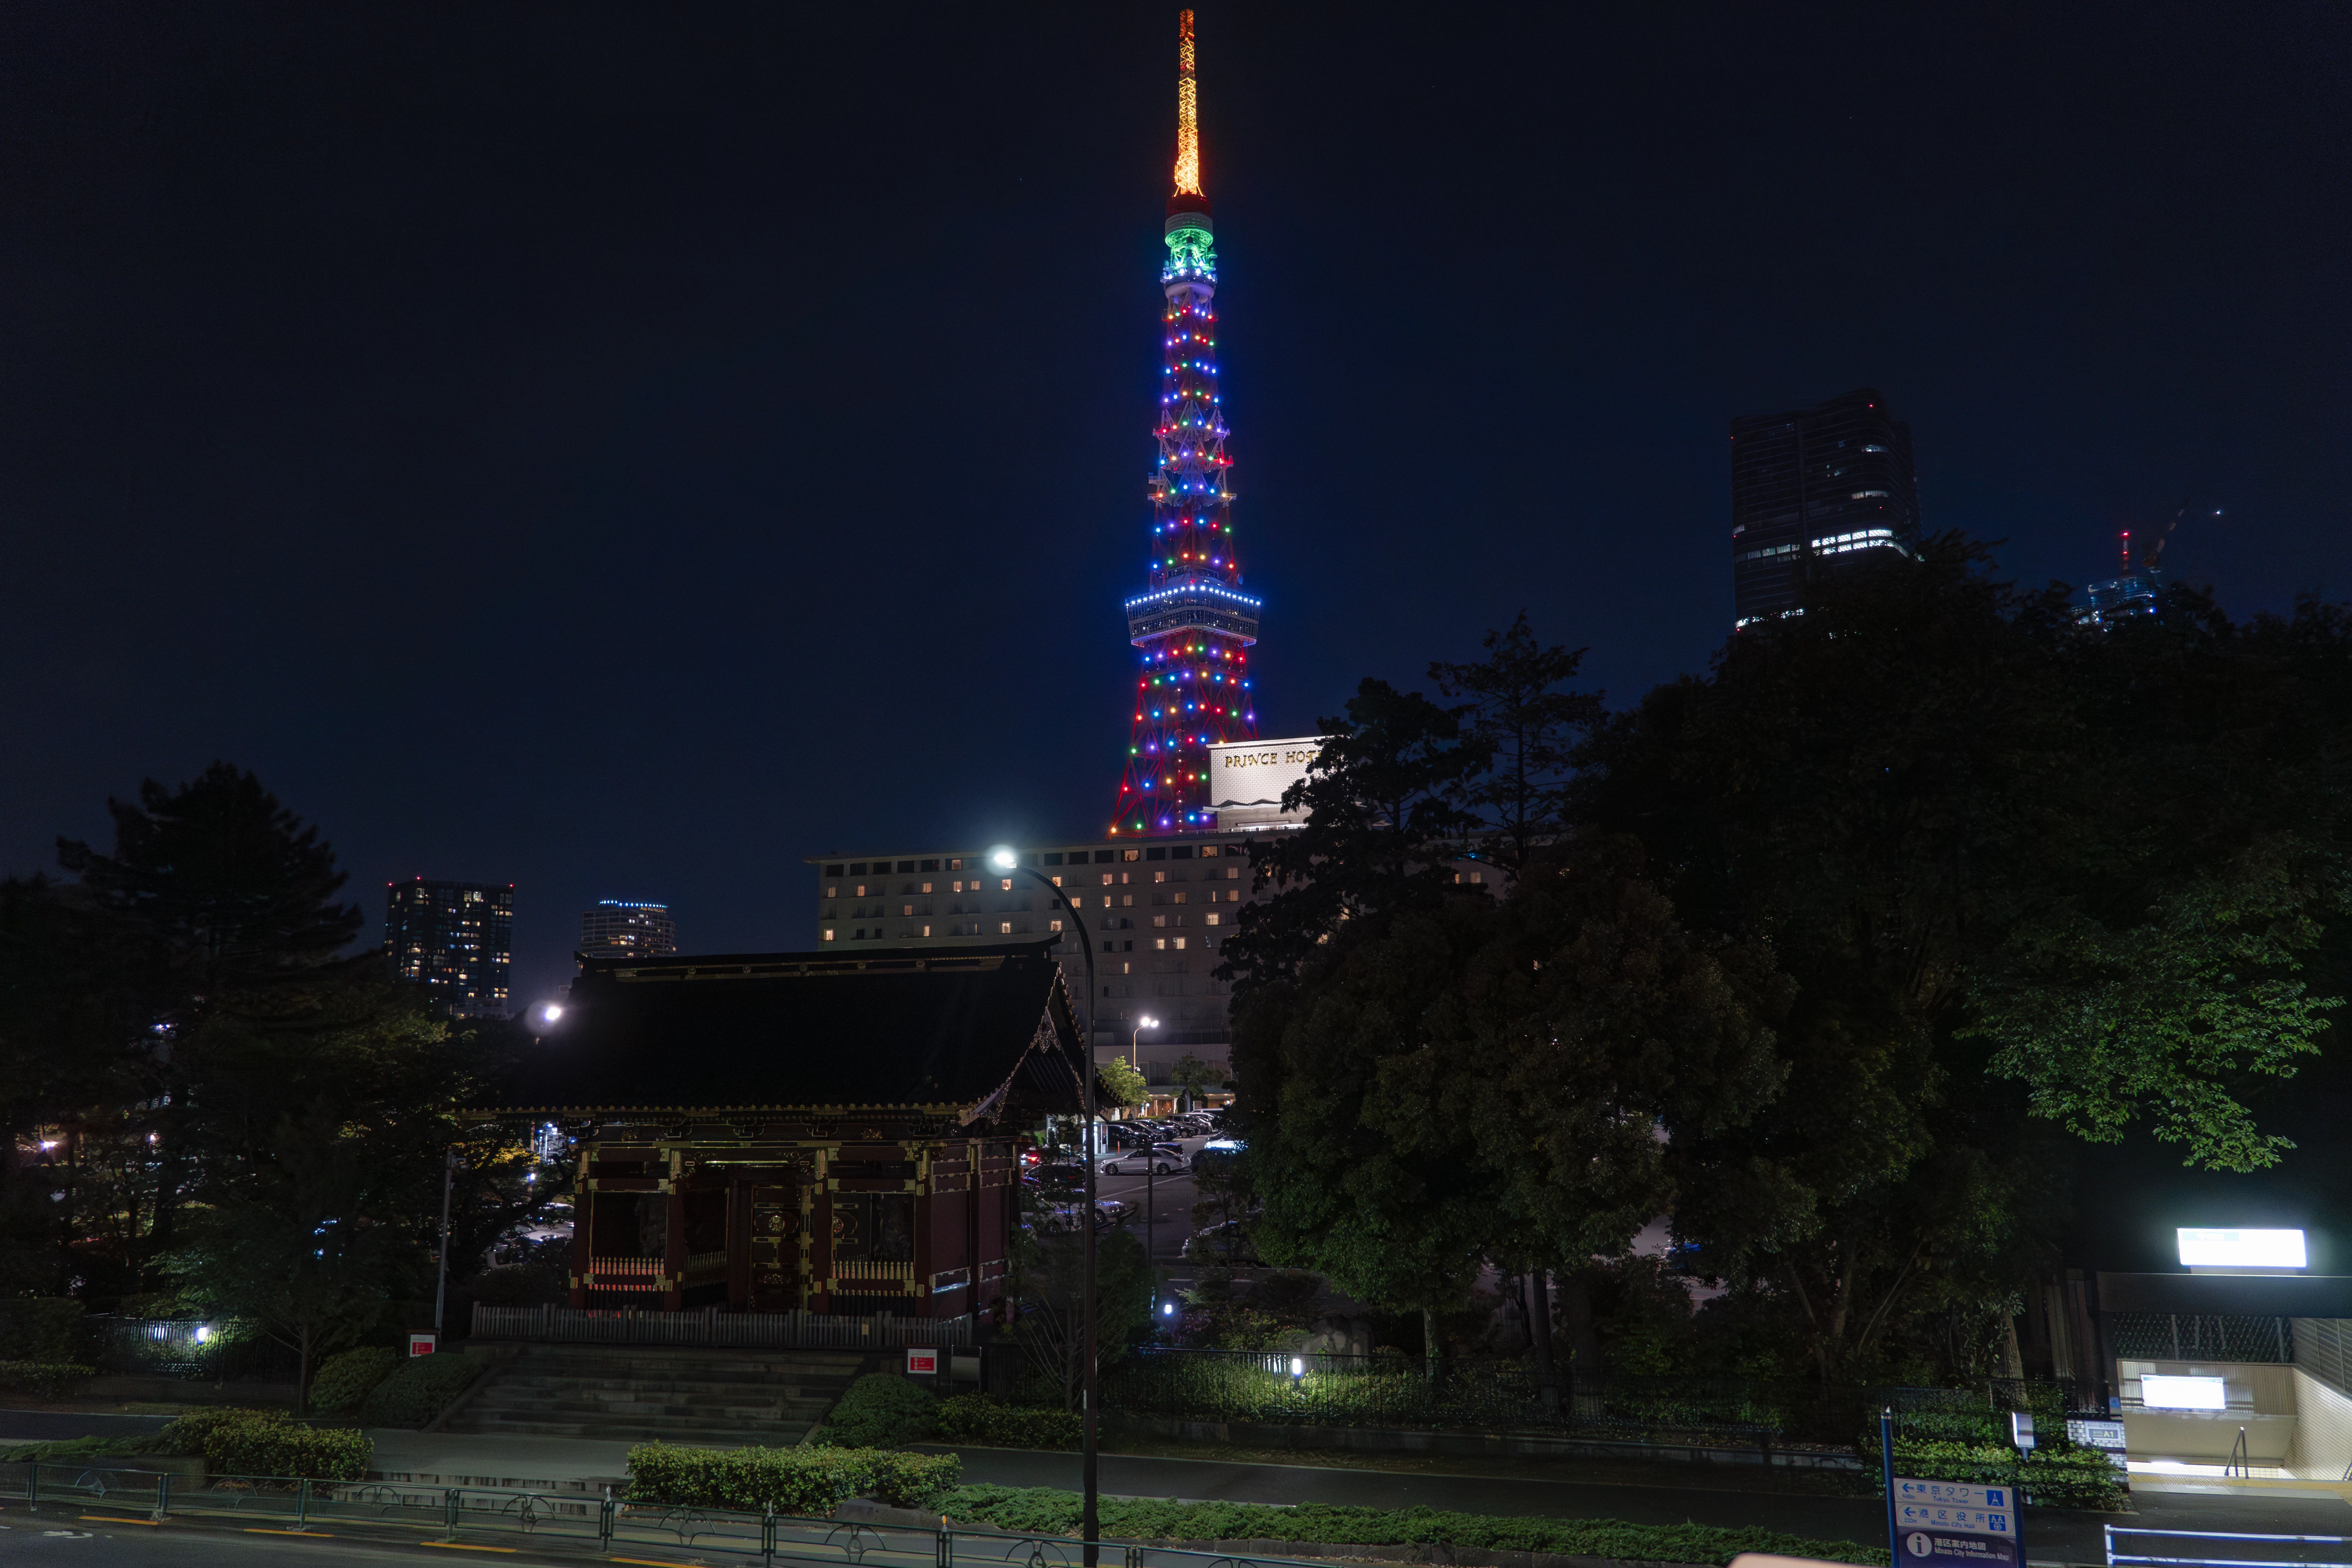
1954, 1524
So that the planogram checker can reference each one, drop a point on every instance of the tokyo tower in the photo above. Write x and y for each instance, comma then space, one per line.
1193, 623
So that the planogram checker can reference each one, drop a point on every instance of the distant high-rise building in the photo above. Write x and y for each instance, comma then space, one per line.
617, 926
1810, 486
454, 938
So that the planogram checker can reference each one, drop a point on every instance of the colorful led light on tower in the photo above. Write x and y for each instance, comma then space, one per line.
1193, 623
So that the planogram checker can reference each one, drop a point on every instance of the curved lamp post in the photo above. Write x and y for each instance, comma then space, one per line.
1089, 1468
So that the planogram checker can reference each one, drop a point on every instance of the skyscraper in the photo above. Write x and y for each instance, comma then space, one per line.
616, 926
1192, 624
1813, 485
453, 938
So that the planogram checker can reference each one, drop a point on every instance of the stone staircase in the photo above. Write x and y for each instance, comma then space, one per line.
718, 1397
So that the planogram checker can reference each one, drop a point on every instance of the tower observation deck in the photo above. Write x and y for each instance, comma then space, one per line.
1192, 624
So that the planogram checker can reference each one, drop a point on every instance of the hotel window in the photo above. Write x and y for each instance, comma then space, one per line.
906, 909
861, 890
1057, 881
1179, 895
1179, 944
1233, 895
1004, 884
1160, 920
1105, 878
1159, 876
1004, 928
858, 935
1211, 920
1131, 855
1160, 943
1232, 873
926, 931
1128, 899
833, 892
1053, 925
927, 887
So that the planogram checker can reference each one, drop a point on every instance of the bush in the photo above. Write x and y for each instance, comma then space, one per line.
879, 1411
43, 1379
1043, 1511
345, 1380
985, 1419
808, 1483
42, 1329
270, 1444
188, 1434
2052, 1477
419, 1389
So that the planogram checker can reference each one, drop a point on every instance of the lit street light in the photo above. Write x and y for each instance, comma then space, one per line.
1089, 1461
1150, 1153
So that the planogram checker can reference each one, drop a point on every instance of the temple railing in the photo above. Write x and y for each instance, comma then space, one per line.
626, 1274
713, 1327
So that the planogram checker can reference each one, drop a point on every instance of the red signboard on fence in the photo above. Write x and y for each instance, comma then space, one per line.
422, 1344
922, 1362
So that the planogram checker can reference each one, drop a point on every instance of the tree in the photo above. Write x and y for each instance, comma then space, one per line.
1380, 822
1336, 1065
1122, 1085
1051, 1287
1192, 1076
1523, 732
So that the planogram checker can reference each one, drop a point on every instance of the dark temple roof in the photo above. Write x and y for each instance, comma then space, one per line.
978, 1029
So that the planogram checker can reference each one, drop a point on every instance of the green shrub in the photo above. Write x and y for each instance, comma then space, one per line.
879, 1411
985, 1419
807, 1483
1043, 1511
42, 1329
270, 1444
419, 1389
43, 1379
65, 1450
2052, 1477
188, 1434
342, 1381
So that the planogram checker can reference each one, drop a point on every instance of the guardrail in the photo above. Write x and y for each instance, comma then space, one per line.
2116, 1558
279, 1505
717, 1330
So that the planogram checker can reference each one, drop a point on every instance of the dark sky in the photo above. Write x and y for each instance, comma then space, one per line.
620, 450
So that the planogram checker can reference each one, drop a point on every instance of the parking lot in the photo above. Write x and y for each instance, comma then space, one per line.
1155, 1205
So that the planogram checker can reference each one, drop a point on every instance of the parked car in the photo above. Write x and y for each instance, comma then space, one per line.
1162, 1157
1226, 1243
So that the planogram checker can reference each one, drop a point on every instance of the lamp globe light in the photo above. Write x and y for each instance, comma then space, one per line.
1002, 857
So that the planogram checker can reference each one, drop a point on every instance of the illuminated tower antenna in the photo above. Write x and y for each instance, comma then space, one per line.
1192, 624
1188, 113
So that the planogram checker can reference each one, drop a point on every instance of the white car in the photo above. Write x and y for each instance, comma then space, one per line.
1135, 1160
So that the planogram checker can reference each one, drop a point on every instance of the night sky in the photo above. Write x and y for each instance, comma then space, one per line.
623, 450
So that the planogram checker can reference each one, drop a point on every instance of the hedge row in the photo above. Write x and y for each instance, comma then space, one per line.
268, 1444
808, 1482
342, 1381
43, 1379
880, 1410
1044, 1510
2052, 1477
982, 1419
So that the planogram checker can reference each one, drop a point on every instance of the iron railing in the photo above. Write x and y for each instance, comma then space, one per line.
719, 1330
2288, 1549
504, 1518
2200, 1336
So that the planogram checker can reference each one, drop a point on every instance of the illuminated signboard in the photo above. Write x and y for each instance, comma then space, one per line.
2182, 1393
2241, 1248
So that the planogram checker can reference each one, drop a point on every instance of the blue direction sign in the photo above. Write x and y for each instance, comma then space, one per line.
1952, 1524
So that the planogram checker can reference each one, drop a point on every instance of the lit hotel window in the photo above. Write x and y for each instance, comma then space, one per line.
1004, 928
828, 934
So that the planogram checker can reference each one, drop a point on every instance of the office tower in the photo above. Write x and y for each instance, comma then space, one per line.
1192, 624
1813, 489
616, 926
453, 938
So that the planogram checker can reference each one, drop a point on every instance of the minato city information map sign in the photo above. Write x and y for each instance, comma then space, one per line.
1951, 1524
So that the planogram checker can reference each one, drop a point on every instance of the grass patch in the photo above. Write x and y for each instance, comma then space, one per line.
1047, 1510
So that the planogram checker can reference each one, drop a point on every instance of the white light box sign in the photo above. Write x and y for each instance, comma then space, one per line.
2182, 1393
2241, 1248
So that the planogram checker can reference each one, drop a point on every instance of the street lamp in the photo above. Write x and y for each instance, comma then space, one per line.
1089, 1468
1150, 1158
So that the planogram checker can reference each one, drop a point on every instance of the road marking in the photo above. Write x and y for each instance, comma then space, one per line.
313, 1534
464, 1546
650, 1562
118, 1519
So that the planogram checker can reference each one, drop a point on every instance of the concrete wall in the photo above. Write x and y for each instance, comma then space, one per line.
2262, 1400
2323, 1445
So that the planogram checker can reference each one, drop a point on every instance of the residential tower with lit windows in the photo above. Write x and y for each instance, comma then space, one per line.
453, 940
1192, 625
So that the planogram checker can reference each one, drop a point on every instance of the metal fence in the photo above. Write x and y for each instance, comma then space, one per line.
199, 1350
2200, 1336
2203, 1549
719, 1330
503, 1519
